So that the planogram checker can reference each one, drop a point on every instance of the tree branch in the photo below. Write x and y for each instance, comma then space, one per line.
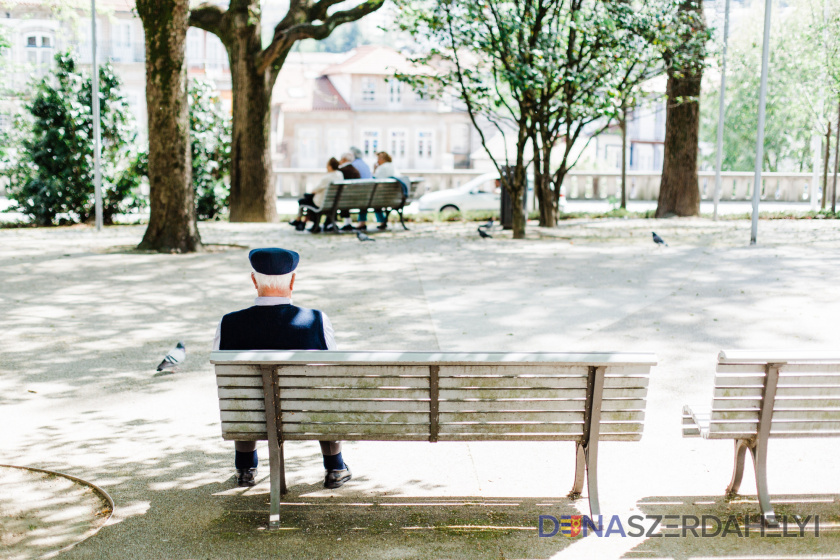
209, 18
285, 38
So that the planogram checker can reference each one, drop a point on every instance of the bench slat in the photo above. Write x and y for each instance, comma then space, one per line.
240, 393
343, 430
458, 394
348, 370
370, 405
522, 382
635, 416
353, 393
531, 369
511, 428
361, 417
239, 416
370, 382
781, 392
228, 370
242, 404
370, 359
803, 414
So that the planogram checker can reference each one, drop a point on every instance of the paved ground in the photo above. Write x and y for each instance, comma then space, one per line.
84, 320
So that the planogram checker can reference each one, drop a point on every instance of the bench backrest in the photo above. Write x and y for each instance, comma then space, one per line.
357, 194
803, 389
433, 396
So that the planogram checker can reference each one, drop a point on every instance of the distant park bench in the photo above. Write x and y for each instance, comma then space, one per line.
759, 395
354, 195
432, 396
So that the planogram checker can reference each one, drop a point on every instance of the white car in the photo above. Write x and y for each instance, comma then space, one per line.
481, 193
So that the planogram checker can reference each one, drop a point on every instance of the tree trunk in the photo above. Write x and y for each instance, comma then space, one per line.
252, 197
172, 225
542, 184
825, 166
679, 191
623, 124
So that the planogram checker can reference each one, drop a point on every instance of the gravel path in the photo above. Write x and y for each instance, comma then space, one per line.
84, 320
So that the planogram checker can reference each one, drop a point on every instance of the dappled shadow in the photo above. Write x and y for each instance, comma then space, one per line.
731, 528
42, 512
85, 324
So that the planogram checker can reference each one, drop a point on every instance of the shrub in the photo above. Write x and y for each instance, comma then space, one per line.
53, 174
210, 137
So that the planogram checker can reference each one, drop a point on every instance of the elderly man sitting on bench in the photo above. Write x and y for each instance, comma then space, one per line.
273, 323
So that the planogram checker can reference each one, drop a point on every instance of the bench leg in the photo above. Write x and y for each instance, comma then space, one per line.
277, 483
741, 446
400, 213
759, 454
580, 471
592, 480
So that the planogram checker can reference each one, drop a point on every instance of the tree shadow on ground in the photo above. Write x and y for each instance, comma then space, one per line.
731, 528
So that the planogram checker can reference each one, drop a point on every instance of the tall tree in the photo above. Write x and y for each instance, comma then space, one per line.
598, 53
684, 58
254, 71
172, 224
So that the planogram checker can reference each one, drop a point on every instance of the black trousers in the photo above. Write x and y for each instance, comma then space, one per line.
327, 447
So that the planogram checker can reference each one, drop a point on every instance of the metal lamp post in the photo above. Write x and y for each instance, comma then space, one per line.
97, 150
762, 103
719, 156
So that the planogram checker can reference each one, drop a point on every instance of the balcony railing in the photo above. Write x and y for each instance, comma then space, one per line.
788, 187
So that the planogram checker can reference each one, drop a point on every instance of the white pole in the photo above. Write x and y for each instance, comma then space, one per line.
97, 150
719, 156
762, 104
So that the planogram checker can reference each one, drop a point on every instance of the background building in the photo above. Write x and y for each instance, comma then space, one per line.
324, 103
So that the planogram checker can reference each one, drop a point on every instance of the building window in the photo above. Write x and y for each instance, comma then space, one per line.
425, 141
368, 89
397, 145
308, 147
396, 91
370, 144
460, 138
39, 51
123, 41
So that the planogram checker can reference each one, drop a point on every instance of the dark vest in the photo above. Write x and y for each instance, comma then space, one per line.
273, 327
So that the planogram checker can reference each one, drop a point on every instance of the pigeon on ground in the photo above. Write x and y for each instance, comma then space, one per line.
484, 234
488, 225
361, 236
658, 240
175, 357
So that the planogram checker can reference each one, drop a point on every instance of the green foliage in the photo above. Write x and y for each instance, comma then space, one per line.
793, 94
53, 177
210, 137
344, 38
546, 69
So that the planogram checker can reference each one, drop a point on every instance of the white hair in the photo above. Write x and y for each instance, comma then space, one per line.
349, 156
273, 282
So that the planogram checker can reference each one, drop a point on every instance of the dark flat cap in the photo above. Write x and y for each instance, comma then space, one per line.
273, 261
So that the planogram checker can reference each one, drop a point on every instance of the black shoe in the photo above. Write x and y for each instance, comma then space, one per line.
336, 479
329, 227
295, 223
314, 229
382, 227
245, 477
361, 228
347, 227
300, 226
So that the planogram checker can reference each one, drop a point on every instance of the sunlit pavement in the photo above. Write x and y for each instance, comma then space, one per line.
84, 321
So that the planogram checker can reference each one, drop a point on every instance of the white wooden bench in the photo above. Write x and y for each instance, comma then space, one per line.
383, 195
764, 394
437, 396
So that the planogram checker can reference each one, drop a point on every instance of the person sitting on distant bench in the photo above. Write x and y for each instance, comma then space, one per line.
314, 199
384, 169
350, 172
